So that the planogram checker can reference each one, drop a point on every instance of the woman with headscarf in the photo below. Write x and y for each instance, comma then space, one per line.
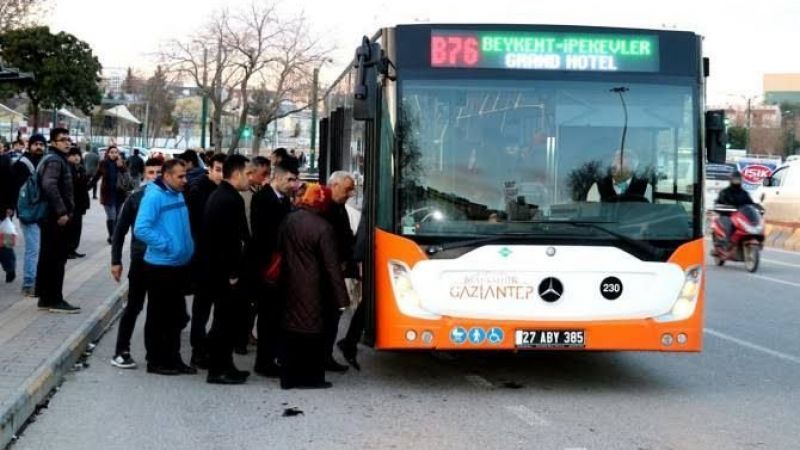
111, 197
313, 282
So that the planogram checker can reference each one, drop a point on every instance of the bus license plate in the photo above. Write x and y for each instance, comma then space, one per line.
550, 338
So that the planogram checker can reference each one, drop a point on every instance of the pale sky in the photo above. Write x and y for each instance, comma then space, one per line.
744, 39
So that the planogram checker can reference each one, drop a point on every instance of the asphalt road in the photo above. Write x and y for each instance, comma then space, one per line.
742, 391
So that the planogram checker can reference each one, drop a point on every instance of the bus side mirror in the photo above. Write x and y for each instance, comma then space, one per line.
767, 182
716, 138
365, 91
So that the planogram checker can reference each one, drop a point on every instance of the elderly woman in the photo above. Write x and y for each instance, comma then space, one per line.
313, 282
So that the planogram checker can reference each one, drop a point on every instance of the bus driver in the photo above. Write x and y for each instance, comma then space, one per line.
621, 183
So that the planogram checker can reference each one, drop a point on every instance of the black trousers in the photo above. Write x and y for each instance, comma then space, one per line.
356, 328
270, 313
166, 314
75, 230
201, 312
227, 320
302, 359
137, 290
53, 252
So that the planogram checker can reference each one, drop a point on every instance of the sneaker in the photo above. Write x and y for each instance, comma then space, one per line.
64, 308
124, 361
29, 292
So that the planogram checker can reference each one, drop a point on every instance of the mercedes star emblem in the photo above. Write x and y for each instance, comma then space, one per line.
551, 289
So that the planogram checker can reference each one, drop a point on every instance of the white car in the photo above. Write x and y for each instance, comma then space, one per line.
780, 193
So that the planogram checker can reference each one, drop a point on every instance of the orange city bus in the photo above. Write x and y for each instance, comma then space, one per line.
526, 187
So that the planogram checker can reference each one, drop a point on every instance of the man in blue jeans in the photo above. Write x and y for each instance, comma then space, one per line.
22, 170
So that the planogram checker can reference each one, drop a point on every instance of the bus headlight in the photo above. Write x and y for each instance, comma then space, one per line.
404, 293
687, 300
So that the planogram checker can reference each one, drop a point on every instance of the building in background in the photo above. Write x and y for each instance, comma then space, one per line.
781, 88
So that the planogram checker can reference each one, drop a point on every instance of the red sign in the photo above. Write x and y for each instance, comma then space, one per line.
755, 173
454, 51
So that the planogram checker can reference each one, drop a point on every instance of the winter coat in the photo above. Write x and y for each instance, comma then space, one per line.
126, 219
56, 182
163, 225
108, 173
311, 277
80, 183
225, 235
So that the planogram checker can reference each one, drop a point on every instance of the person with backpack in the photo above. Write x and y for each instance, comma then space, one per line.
22, 170
56, 188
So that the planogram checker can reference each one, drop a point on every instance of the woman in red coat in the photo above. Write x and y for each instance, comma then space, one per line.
313, 282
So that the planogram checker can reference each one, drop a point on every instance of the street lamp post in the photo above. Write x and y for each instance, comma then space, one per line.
312, 152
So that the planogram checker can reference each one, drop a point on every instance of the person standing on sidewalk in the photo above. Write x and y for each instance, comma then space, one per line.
111, 197
136, 166
137, 288
23, 169
8, 259
92, 161
80, 183
225, 235
269, 207
198, 193
56, 184
163, 225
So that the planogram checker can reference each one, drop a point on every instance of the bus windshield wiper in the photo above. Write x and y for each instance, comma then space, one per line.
597, 225
433, 249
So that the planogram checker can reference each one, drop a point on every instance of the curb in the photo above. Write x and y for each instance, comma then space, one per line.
24, 401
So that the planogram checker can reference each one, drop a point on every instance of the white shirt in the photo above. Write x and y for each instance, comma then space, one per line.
619, 188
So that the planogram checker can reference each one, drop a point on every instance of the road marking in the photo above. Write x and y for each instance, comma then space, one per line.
750, 345
776, 280
479, 381
525, 414
779, 250
780, 263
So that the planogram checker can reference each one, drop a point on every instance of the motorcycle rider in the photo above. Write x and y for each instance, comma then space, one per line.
734, 196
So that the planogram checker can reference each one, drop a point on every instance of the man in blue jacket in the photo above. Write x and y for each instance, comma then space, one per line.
163, 225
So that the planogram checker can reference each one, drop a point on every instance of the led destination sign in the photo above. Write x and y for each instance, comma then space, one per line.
545, 51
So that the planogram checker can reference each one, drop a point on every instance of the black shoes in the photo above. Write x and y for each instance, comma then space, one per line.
269, 371
333, 366
199, 361
61, 307
349, 352
11, 276
161, 370
181, 367
321, 385
75, 255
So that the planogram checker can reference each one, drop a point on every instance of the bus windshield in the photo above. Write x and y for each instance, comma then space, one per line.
491, 157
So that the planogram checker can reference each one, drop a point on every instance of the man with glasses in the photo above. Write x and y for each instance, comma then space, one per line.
57, 189
137, 288
269, 207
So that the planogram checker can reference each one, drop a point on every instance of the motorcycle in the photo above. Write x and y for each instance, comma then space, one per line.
746, 240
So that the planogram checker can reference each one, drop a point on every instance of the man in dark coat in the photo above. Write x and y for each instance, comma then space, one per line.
734, 195
57, 188
314, 284
225, 234
269, 207
342, 187
80, 183
622, 182
198, 193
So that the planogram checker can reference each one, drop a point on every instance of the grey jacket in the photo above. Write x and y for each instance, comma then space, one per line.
56, 182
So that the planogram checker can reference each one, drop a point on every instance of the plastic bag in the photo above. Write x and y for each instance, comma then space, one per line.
8, 233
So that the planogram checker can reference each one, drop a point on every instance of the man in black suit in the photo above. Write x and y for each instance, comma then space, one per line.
269, 207
225, 234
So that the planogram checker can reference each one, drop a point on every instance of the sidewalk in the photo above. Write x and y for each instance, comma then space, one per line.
37, 347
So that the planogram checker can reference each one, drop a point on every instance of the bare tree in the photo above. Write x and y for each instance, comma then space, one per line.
286, 79
21, 13
209, 63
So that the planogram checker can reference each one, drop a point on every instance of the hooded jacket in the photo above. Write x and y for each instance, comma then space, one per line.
163, 225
